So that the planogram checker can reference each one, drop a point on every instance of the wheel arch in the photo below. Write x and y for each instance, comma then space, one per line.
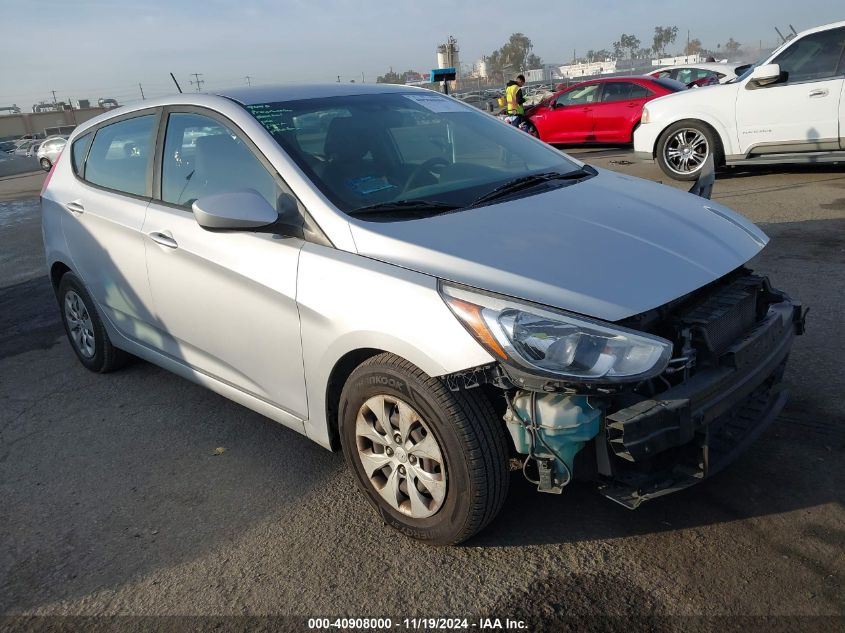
58, 269
338, 376
708, 121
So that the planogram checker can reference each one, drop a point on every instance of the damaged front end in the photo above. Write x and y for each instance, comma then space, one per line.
646, 406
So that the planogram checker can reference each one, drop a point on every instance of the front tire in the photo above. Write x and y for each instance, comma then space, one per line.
531, 129
85, 329
433, 462
45, 164
683, 148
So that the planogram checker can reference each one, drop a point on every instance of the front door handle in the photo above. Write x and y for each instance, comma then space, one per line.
163, 239
819, 92
75, 207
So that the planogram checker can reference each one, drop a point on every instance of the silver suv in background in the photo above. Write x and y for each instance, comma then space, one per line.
49, 150
398, 275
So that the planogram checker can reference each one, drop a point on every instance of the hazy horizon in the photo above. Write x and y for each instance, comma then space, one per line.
94, 48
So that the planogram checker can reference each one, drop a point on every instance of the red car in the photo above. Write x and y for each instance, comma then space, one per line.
597, 111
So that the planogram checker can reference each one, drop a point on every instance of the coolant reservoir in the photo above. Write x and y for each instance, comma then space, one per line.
565, 423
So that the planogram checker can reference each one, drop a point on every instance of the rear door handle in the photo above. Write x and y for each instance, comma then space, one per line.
163, 239
820, 92
75, 207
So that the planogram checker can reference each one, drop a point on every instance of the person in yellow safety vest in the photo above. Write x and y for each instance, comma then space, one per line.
514, 100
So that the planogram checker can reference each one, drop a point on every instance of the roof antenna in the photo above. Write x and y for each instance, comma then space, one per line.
176, 82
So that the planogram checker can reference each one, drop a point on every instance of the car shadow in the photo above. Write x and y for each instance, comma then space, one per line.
732, 172
107, 479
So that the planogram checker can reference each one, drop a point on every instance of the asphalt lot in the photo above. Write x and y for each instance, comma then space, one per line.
114, 501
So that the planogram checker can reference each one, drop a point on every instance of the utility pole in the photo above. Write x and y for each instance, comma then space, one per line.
54, 95
198, 82
141, 88
362, 77
248, 83
338, 79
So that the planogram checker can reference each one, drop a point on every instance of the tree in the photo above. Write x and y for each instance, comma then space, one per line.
693, 47
630, 43
732, 46
514, 56
617, 50
533, 61
601, 55
391, 77
663, 35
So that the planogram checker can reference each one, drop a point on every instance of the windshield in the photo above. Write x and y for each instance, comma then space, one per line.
377, 149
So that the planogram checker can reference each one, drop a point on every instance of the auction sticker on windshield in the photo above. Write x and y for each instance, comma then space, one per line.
436, 103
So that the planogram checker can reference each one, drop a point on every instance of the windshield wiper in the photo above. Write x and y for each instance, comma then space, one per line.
524, 182
428, 206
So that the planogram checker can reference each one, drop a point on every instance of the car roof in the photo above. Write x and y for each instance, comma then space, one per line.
296, 92
609, 80
702, 65
823, 27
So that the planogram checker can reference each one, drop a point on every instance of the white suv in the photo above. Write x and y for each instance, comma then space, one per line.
787, 109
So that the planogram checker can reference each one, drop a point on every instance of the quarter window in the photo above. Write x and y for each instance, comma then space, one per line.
119, 155
78, 151
203, 157
813, 57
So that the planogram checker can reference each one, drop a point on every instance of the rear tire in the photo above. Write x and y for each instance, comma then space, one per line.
683, 147
400, 427
85, 329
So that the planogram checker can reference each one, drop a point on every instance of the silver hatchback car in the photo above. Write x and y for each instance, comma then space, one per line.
401, 276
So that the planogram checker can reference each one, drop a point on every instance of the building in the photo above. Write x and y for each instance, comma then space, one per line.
482, 68
587, 69
14, 126
447, 54
548, 72
674, 61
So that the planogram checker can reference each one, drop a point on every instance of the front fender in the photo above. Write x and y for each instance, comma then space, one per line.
348, 302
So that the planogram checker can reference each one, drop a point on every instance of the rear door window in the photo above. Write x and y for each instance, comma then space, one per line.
120, 154
623, 91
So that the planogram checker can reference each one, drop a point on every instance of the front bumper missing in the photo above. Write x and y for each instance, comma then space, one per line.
693, 430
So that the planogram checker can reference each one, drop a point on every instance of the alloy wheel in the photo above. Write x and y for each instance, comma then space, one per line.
686, 150
401, 456
79, 324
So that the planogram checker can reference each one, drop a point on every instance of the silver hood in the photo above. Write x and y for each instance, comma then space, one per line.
609, 247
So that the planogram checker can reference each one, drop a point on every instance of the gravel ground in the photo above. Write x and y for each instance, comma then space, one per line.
114, 501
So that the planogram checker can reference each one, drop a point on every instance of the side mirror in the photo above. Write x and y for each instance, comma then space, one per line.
244, 210
741, 69
765, 75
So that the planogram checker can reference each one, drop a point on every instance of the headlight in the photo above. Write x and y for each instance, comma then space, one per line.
646, 116
553, 343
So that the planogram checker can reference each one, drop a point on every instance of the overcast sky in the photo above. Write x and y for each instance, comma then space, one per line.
99, 48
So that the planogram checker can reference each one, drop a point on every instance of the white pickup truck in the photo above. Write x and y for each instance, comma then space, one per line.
789, 108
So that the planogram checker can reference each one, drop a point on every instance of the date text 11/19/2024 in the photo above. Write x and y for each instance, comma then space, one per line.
413, 624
